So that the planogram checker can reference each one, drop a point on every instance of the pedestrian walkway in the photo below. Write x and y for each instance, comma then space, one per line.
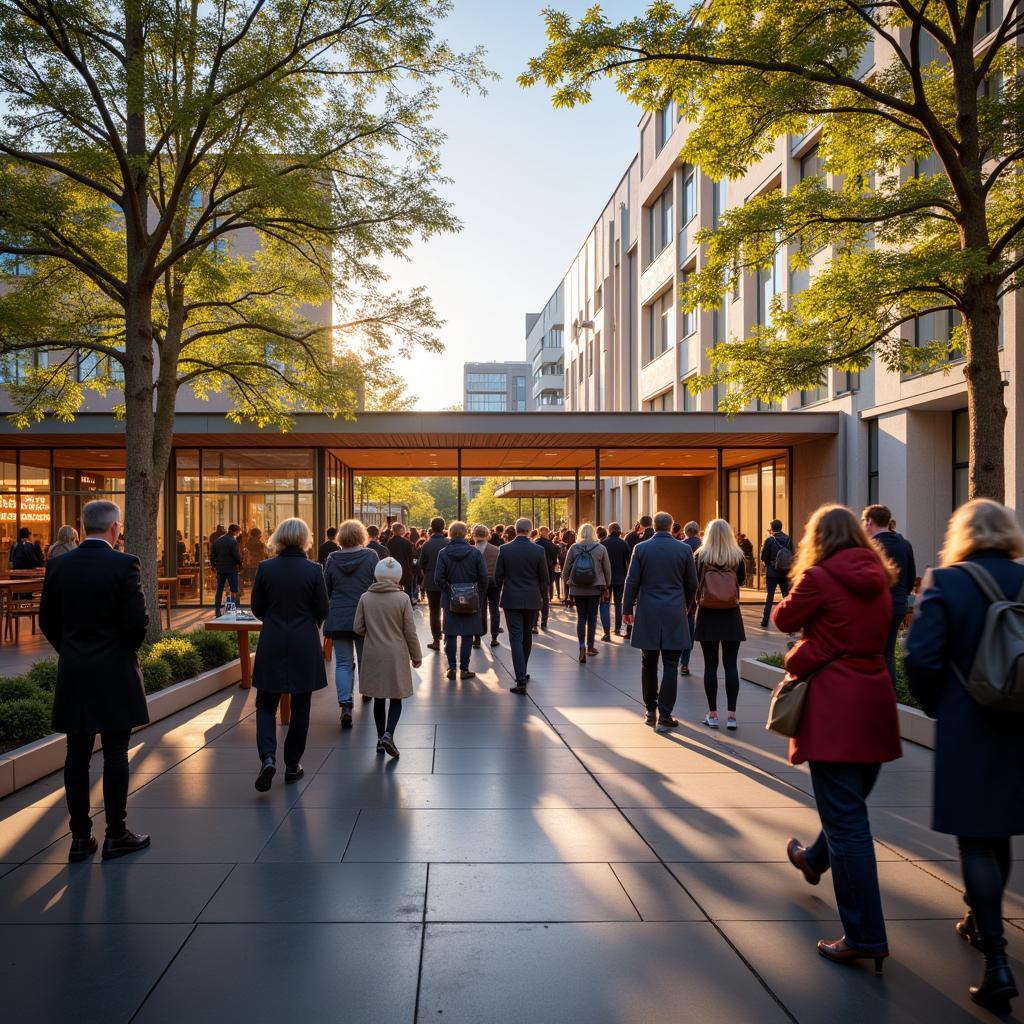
544, 860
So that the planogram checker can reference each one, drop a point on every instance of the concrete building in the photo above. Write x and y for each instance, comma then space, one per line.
497, 387
629, 346
545, 350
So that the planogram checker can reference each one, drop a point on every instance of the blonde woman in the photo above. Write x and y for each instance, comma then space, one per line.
979, 752
290, 597
587, 575
67, 540
719, 623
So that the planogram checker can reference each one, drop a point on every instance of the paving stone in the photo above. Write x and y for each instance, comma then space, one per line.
310, 834
712, 790
656, 893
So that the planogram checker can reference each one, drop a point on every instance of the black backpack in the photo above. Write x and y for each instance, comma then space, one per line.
783, 560
584, 571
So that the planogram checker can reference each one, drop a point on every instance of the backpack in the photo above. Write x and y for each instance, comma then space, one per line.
996, 677
584, 571
783, 560
718, 588
464, 599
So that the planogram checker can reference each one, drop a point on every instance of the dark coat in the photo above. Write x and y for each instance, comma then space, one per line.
898, 550
225, 555
460, 562
290, 597
348, 575
93, 612
979, 752
522, 574
379, 549
618, 556
550, 549
716, 624
435, 544
843, 607
769, 549
660, 584
403, 552
326, 550
693, 543
25, 555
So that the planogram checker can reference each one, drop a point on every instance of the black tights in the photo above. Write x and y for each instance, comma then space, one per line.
730, 652
986, 867
394, 713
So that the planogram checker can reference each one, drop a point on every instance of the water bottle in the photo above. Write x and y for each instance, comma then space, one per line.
229, 607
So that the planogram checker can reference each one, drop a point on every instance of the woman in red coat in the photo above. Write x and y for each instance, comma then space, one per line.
841, 603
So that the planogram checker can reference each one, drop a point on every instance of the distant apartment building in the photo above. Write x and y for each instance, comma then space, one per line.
545, 349
629, 346
497, 387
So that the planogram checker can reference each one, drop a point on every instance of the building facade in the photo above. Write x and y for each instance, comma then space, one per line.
497, 387
545, 350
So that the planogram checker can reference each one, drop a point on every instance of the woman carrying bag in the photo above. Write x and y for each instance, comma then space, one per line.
719, 623
848, 726
587, 575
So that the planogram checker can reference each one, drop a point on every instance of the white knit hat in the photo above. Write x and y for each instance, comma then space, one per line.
388, 569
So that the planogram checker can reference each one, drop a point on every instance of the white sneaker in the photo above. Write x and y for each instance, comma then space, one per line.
730, 722
711, 723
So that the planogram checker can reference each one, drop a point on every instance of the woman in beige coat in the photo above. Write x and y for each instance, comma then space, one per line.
385, 618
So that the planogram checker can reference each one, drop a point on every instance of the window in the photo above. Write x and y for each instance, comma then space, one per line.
689, 398
486, 401
989, 19
552, 398
689, 193
520, 394
811, 165
812, 395
928, 165
15, 365
666, 122
720, 317
579, 369
847, 381
719, 200
936, 327
598, 298
689, 316
872, 462
659, 222
961, 457
867, 59
590, 360
661, 403
767, 280
486, 381
659, 325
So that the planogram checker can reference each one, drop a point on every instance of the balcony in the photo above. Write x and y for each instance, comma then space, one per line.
547, 383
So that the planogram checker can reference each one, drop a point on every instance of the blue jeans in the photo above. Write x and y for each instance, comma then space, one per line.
771, 582
605, 610
845, 845
347, 647
231, 579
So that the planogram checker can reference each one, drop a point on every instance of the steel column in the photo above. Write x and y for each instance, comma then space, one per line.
458, 483
576, 509
720, 473
597, 486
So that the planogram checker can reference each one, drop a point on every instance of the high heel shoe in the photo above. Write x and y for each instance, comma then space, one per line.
997, 988
840, 953
966, 930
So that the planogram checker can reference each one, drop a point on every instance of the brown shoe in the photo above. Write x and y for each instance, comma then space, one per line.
798, 858
839, 952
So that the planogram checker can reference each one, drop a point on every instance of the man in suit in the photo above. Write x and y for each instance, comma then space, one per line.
435, 543
551, 554
329, 546
401, 550
522, 574
618, 559
661, 585
93, 612
226, 560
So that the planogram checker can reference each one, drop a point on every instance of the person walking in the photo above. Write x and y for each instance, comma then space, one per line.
849, 726
482, 542
460, 567
24, 554
348, 574
67, 540
618, 563
329, 546
433, 546
586, 576
719, 621
551, 554
226, 560
401, 550
660, 585
897, 549
691, 538
385, 618
979, 751
521, 573
498, 535
93, 612
777, 557
289, 596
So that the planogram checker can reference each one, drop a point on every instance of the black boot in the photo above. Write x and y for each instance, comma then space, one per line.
966, 930
997, 988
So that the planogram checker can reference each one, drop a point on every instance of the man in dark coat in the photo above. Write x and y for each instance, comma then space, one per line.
544, 542
661, 585
24, 554
374, 544
329, 546
93, 612
777, 547
402, 551
898, 550
435, 543
226, 560
618, 558
691, 538
498, 535
460, 562
522, 574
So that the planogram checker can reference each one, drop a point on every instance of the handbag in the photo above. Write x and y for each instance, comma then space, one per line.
464, 599
788, 699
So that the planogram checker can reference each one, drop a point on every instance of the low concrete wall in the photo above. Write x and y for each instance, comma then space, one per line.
915, 725
36, 760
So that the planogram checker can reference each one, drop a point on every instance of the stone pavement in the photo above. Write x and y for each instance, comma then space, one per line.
546, 859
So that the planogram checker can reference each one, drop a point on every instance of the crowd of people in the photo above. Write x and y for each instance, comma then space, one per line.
845, 591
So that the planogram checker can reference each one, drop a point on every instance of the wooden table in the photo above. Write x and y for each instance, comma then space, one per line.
243, 627
24, 585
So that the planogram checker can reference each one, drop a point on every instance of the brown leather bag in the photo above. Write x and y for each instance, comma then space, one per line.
718, 588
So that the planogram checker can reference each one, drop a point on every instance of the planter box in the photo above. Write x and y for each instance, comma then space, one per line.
36, 760
915, 726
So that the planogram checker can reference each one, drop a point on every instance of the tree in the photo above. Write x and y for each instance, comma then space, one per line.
487, 509
396, 491
926, 151
442, 490
143, 141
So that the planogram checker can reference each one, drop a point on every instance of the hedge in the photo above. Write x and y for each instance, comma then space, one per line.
26, 701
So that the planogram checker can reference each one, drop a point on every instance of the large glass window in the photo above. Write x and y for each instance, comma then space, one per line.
719, 200
936, 327
666, 123
757, 494
486, 401
689, 193
520, 394
768, 283
659, 325
487, 381
659, 215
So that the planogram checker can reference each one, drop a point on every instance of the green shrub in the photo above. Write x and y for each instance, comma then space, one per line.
214, 648
902, 689
181, 657
24, 720
44, 674
156, 673
18, 688
775, 658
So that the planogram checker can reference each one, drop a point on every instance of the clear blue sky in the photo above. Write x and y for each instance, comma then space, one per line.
529, 181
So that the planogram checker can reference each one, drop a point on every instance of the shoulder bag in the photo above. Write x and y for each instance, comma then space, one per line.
788, 699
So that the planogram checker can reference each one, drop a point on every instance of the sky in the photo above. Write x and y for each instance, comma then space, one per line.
528, 183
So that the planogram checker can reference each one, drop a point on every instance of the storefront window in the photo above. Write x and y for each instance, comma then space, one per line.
757, 495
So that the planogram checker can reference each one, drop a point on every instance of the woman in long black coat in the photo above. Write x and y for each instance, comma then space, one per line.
289, 596
979, 751
460, 562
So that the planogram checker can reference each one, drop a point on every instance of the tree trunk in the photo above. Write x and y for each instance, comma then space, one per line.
985, 405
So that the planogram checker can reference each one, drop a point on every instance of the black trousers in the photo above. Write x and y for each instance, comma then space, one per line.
586, 617
386, 722
986, 865
266, 726
890, 643
115, 780
434, 603
519, 622
545, 608
661, 699
492, 609
730, 652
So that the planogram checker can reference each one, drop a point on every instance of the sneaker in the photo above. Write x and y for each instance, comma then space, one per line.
380, 747
730, 722
389, 745
266, 776
666, 724
711, 723
650, 718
